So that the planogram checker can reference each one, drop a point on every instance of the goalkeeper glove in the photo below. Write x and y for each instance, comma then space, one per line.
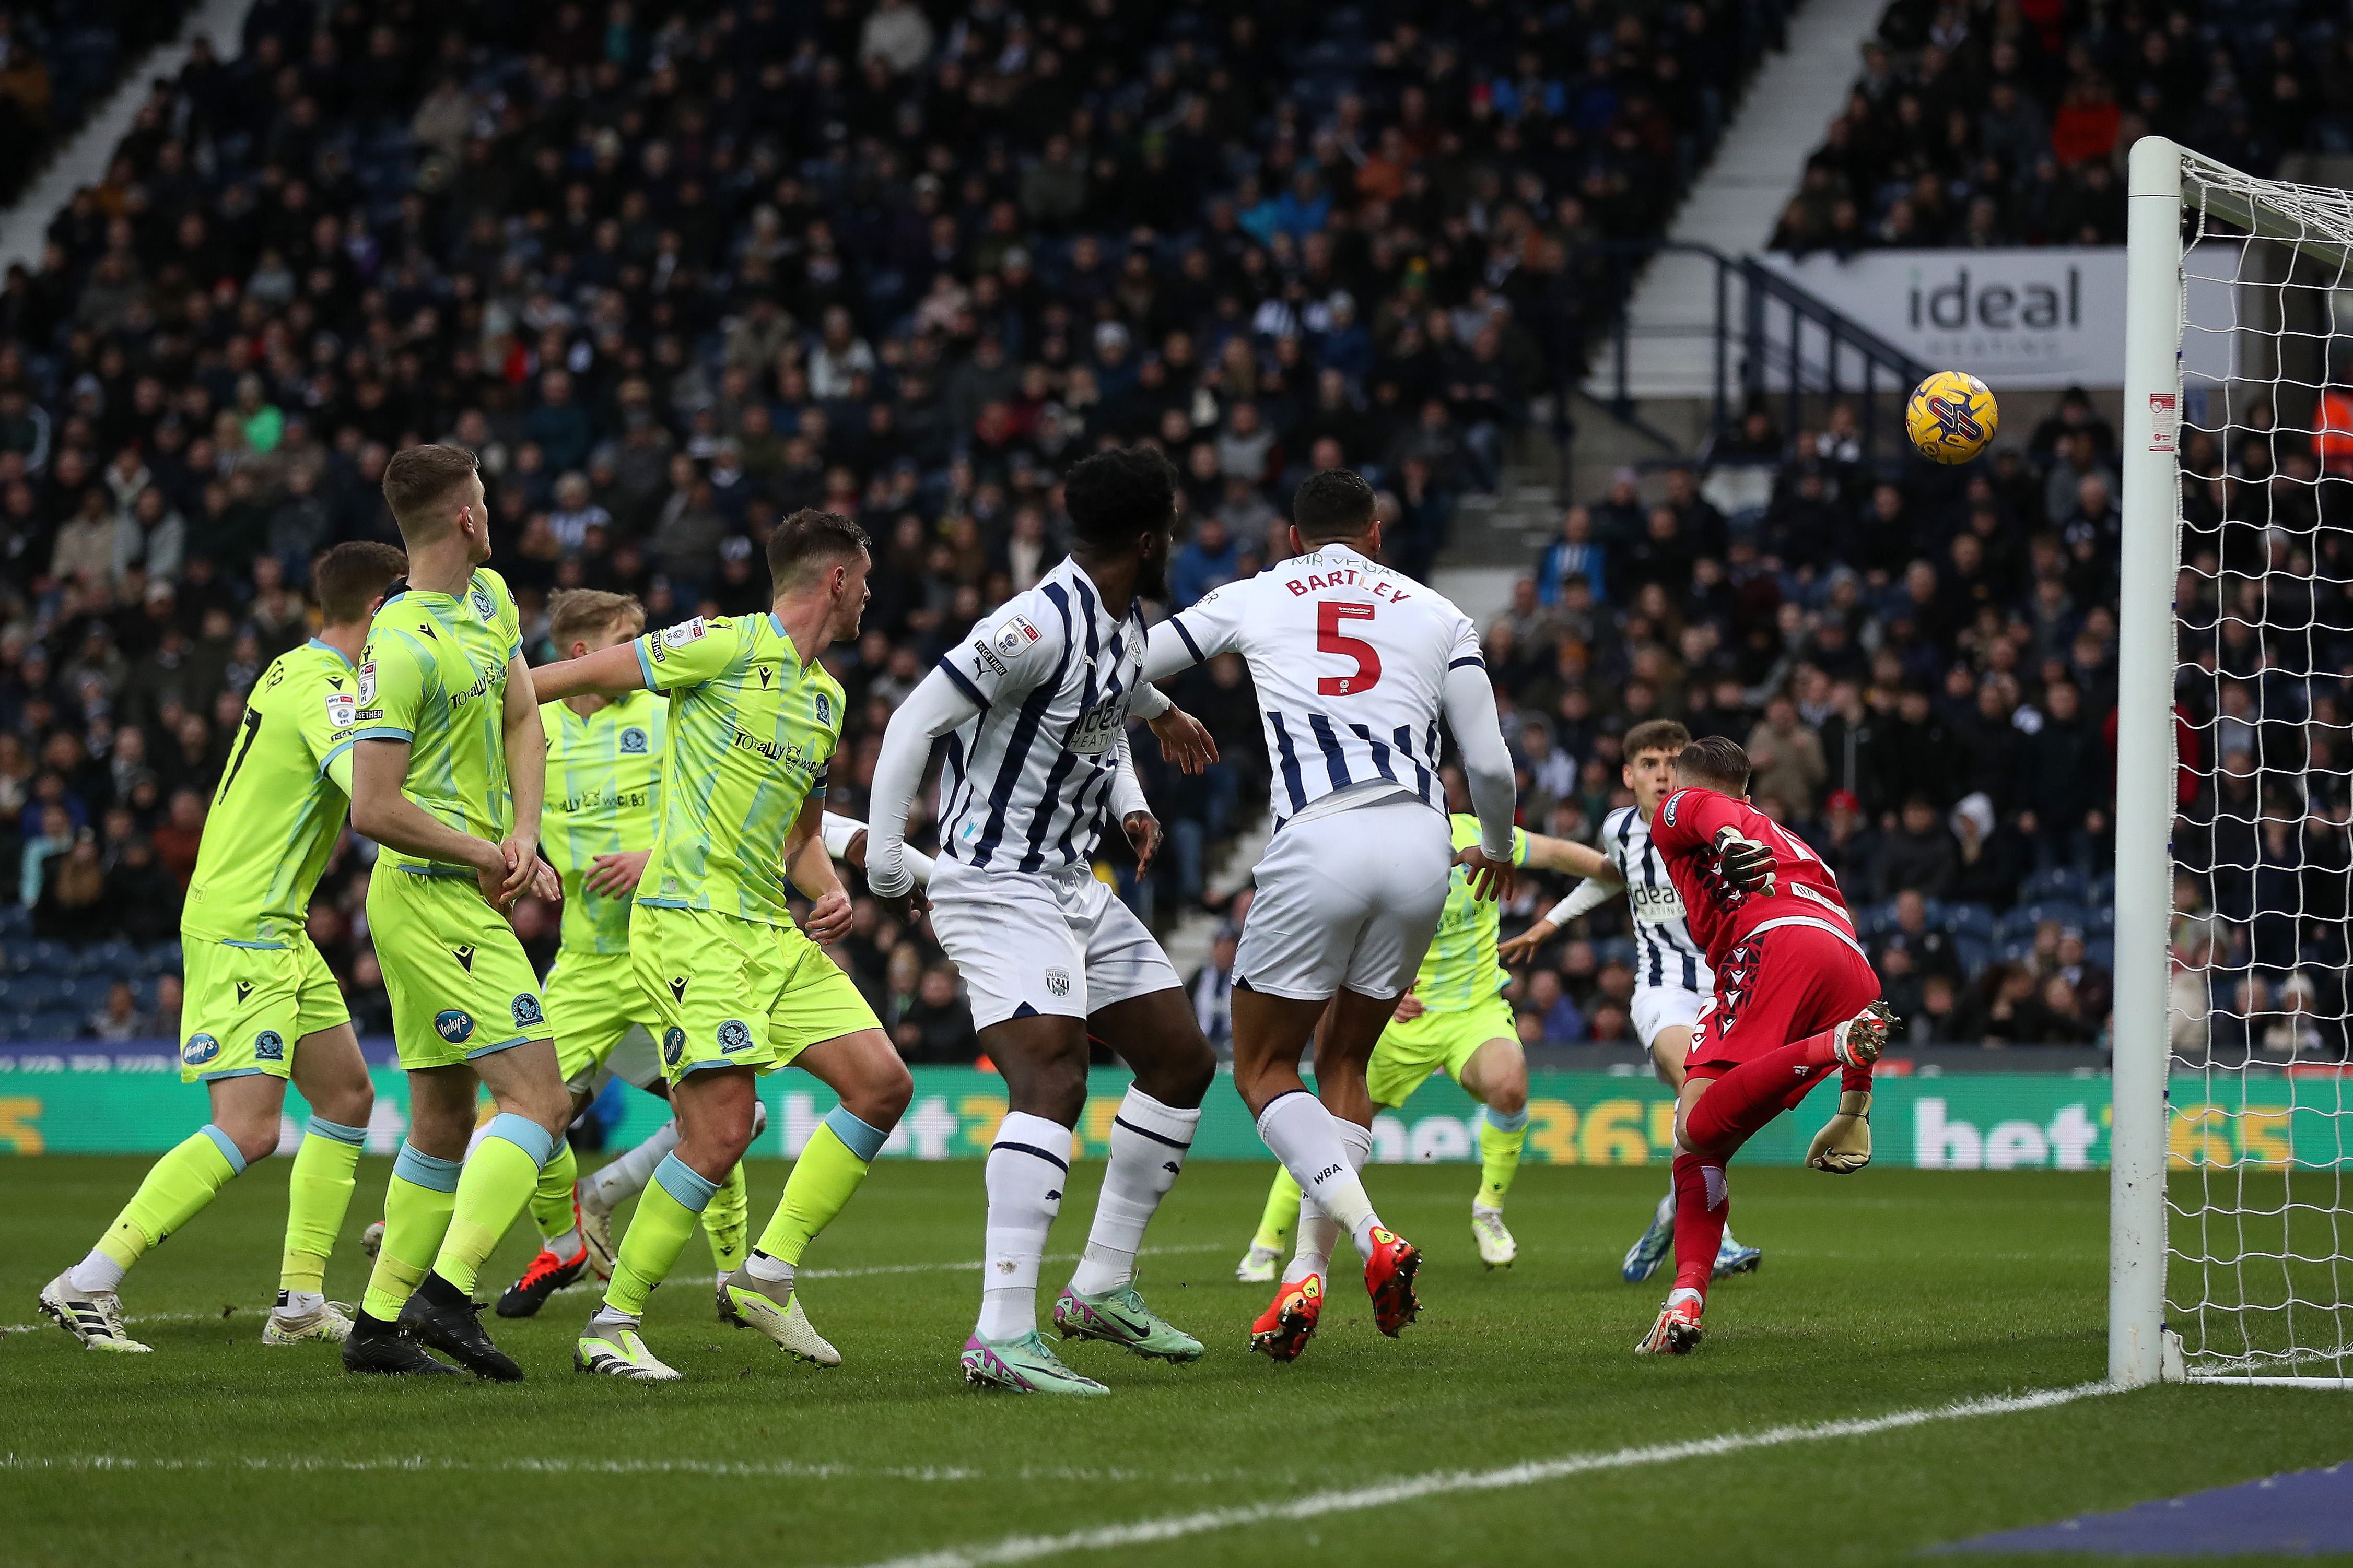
1747, 864
1843, 1145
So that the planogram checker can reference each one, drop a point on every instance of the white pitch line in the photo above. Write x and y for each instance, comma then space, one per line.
1172, 1527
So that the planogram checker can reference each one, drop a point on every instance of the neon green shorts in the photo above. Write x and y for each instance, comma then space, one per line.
245, 1009
1408, 1053
593, 1003
459, 984
738, 993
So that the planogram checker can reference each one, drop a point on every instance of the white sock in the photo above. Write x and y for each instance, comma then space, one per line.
769, 1270
97, 1275
608, 1316
1319, 1233
1148, 1141
1666, 1212
1684, 1293
475, 1141
625, 1177
1308, 1141
298, 1303
563, 1246
1026, 1169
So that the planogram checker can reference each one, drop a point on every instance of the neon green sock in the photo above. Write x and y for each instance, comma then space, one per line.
1282, 1212
175, 1189
823, 1179
727, 1223
551, 1200
1499, 1155
318, 1195
417, 1206
673, 1200
498, 1178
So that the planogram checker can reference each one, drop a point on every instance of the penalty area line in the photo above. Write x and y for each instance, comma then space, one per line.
1438, 1483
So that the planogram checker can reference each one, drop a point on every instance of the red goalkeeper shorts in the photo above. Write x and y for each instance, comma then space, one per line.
1780, 986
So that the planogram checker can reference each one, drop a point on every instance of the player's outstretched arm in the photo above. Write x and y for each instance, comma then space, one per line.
1549, 854
1470, 705
845, 840
379, 811
1598, 888
811, 869
936, 705
526, 740
608, 672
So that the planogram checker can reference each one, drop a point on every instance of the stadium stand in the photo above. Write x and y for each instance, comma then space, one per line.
2006, 124
58, 63
674, 272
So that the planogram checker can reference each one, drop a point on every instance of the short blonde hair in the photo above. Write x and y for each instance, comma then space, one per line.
577, 615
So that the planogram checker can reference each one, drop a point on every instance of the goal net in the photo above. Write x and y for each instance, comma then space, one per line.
2233, 1225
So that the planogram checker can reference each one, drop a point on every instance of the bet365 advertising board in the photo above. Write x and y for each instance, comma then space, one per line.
127, 1098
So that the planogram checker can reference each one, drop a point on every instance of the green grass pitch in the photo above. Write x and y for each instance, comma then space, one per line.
1893, 1292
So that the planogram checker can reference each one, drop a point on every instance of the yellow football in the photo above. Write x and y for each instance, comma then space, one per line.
1951, 417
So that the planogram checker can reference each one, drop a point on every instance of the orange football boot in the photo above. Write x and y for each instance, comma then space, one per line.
1677, 1332
1388, 1279
1284, 1329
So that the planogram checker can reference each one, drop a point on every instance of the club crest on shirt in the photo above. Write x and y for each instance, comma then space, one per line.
825, 710
367, 683
526, 1010
270, 1046
343, 710
1058, 982
734, 1035
633, 741
1016, 635
483, 605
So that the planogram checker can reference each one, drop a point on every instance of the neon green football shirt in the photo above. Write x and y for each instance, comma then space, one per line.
276, 812
435, 674
752, 730
604, 798
1460, 969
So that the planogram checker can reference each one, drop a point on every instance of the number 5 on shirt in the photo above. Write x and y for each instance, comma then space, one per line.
1367, 673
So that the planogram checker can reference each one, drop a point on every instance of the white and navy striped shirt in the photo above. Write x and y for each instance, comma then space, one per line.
1029, 779
1664, 954
1350, 661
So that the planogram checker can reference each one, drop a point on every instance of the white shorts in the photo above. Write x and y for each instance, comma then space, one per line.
1028, 942
1658, 1007
1347, 899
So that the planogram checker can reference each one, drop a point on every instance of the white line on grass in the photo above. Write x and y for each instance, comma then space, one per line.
1145, 1533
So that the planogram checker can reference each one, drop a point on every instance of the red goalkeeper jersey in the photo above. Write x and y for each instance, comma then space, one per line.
1722, 917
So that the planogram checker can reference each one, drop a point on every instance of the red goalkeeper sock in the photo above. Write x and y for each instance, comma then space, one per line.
1755, 1092
1703, 1209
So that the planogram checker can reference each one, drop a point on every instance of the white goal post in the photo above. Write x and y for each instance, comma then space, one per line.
2231, 1209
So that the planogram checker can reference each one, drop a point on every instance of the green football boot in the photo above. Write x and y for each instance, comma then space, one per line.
615, 1350
1022, 1366
1120, 1317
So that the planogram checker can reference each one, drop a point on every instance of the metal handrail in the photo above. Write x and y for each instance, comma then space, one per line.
1764, 363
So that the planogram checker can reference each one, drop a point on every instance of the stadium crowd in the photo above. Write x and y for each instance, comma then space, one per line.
2006, 124
675, 271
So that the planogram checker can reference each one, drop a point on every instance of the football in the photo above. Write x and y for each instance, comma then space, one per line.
1951, 416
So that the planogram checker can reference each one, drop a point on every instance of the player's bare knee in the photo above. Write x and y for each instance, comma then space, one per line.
255, 1137
349, 1104
883, 1096
1509, 1096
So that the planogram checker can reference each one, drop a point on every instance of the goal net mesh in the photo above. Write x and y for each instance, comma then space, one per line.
2260, 1234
